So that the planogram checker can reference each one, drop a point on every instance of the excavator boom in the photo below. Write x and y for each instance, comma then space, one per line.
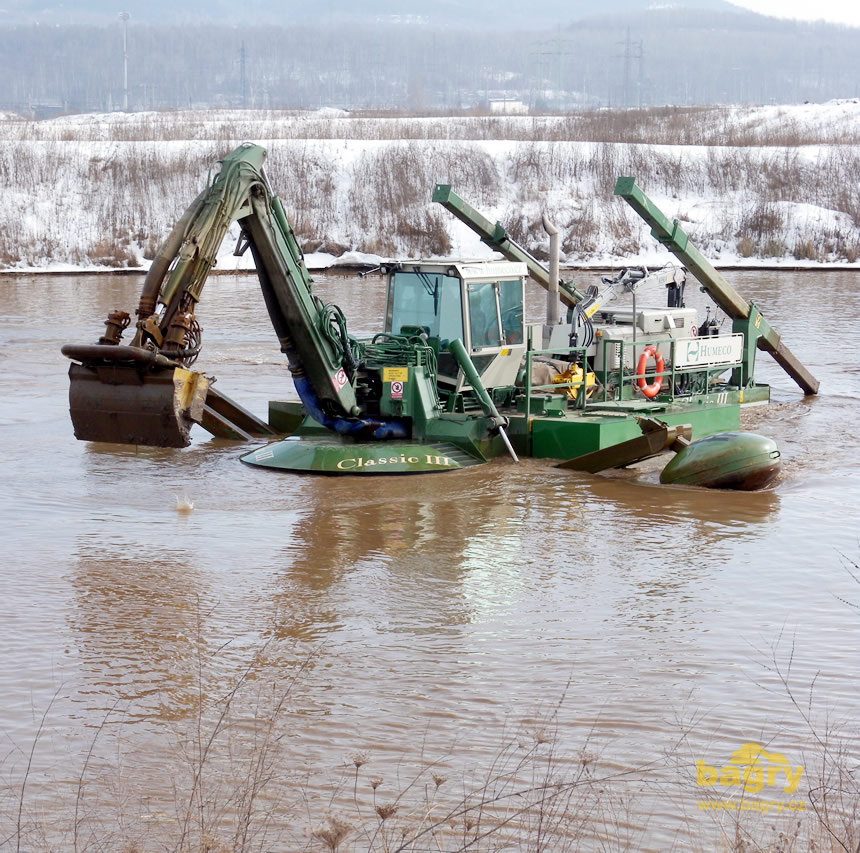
144, 393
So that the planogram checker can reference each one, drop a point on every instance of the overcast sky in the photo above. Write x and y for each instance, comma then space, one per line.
836, 11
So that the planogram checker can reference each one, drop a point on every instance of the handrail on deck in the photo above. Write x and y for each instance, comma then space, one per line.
638, 347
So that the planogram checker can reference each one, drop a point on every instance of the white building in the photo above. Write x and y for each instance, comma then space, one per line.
508, 106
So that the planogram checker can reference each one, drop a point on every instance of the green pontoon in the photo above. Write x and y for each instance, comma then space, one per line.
455, 376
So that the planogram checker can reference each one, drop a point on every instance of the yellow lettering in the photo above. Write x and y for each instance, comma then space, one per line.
393, 460
730, 775
343, 464
412, 459
369, 463
705, 775
754, 778
380, 461
793, 779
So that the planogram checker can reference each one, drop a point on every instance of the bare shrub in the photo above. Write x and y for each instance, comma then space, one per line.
746, 246
622, 231
527, 231
805, 250
848, 202
425, 234
763, 221
605, 166
10, 255
580, 232
773, 249
109, 253
665, 125
303, 175
109, 181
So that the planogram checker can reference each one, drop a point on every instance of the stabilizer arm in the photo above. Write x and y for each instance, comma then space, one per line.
746, 316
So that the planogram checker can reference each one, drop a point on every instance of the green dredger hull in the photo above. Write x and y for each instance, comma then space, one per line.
460, 441
336, 455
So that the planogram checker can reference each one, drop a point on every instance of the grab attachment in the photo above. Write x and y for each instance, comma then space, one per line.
132, 395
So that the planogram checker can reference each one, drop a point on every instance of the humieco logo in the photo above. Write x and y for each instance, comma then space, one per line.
752, 767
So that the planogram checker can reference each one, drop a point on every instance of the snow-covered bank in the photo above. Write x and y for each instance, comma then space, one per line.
87, 192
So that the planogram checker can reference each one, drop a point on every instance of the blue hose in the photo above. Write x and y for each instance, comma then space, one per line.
379, 430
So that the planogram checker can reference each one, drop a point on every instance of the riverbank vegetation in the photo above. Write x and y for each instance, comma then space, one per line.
748, 184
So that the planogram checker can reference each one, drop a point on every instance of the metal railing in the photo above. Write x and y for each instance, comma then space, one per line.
621, 347
712, 367
578, 354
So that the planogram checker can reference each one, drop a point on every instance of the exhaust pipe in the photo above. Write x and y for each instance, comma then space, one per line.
552, 303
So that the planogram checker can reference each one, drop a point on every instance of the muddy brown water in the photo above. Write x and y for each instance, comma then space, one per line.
413, 620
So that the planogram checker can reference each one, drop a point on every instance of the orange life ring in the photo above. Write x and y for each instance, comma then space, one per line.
653, 389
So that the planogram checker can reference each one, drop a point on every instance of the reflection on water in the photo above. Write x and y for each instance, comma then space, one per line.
427, 615
136, 624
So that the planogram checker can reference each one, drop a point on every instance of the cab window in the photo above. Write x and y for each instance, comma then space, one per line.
428, 300
511, 307
484, 316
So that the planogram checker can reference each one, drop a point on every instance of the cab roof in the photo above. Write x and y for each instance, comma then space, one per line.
470, 270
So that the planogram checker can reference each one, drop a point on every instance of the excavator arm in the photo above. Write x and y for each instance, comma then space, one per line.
145, 394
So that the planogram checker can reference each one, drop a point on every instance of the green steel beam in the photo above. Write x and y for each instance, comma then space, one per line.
745, 315
494, 235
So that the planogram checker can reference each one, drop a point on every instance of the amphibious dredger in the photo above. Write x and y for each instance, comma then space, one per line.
456, 376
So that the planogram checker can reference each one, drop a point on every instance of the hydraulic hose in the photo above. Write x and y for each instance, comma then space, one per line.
359, 427
166, 253
379, 430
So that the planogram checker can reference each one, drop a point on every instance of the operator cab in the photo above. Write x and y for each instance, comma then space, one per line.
480, 302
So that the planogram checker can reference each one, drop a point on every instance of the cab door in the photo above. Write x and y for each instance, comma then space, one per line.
494, 319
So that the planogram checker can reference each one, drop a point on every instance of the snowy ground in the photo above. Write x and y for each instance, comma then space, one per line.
777, 185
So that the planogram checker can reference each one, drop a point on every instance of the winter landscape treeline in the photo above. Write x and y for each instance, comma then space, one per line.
773, 183
652, 57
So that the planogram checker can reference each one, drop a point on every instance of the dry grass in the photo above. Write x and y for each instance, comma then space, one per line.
229, 788
235, 795
107, 192
701, 125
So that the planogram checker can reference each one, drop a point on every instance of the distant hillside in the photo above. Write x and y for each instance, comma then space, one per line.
483, 13
641, 58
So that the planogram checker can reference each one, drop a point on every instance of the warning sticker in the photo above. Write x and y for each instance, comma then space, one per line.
396, 390
340, 379
395, 374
